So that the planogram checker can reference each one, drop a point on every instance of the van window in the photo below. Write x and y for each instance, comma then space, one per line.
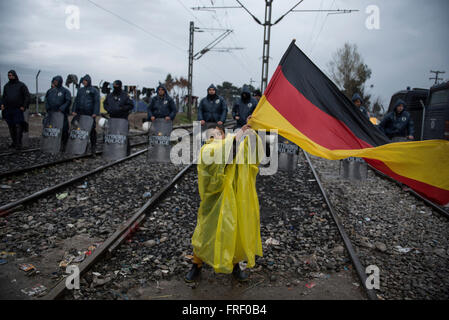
439, 97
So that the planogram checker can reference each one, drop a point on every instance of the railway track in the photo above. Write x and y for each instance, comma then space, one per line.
161, 174
6, 208
4, 175
443, 211
403, 235
149, 221
153, 213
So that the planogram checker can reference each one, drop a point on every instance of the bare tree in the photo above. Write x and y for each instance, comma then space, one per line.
349, 72
169, 83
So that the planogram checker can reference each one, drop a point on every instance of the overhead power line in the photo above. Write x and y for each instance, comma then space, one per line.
267, 24
137, 26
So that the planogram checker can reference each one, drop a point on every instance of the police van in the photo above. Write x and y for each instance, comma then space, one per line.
437, 113
415, 99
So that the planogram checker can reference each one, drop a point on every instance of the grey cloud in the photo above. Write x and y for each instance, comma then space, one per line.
412, 40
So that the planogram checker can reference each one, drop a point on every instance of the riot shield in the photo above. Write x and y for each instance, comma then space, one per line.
79, 135
288, 154
353, 169
159, 141
115, 139
52, 132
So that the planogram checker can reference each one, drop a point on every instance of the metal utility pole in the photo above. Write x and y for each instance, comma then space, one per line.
266, 44
198, 55
436, 76
267, 29
190, 76
37, 92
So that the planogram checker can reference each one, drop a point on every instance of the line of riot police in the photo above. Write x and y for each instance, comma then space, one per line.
59, 136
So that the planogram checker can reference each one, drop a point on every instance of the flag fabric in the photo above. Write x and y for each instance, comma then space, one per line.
306, 107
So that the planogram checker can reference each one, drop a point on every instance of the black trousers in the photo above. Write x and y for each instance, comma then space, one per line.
65, 132
16, 132
93, 138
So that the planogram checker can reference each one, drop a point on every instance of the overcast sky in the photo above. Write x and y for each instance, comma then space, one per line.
411, 41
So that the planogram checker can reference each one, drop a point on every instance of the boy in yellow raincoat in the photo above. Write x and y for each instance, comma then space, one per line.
228, 224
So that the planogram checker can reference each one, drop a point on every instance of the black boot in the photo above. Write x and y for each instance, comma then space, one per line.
239, 274
193, 273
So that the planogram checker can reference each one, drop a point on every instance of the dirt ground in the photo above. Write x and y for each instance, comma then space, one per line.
343, 285
339, 286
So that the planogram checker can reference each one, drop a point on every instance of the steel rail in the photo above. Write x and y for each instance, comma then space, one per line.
347, 242
122, 232
119, 235
6, 209
49, 164
435, 206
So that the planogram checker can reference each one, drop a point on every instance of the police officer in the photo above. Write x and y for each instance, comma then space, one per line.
212, 108
257, 95
16, 98
59, 99
162, 106
398, 125
117, 103
87, 103
243, 107
357, 100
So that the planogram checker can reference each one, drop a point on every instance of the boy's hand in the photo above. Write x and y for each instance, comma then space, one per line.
240, 133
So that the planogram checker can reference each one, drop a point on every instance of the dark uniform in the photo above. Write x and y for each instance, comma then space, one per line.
117, 103
397, 126
244, 107
257, 95
362, 109
161, 107
212, 108
87, 103
59, 99
15, 96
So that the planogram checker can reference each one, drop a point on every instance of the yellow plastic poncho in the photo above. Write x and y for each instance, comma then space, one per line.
228, 224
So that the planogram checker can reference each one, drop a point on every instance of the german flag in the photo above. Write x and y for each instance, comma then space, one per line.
306, 107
